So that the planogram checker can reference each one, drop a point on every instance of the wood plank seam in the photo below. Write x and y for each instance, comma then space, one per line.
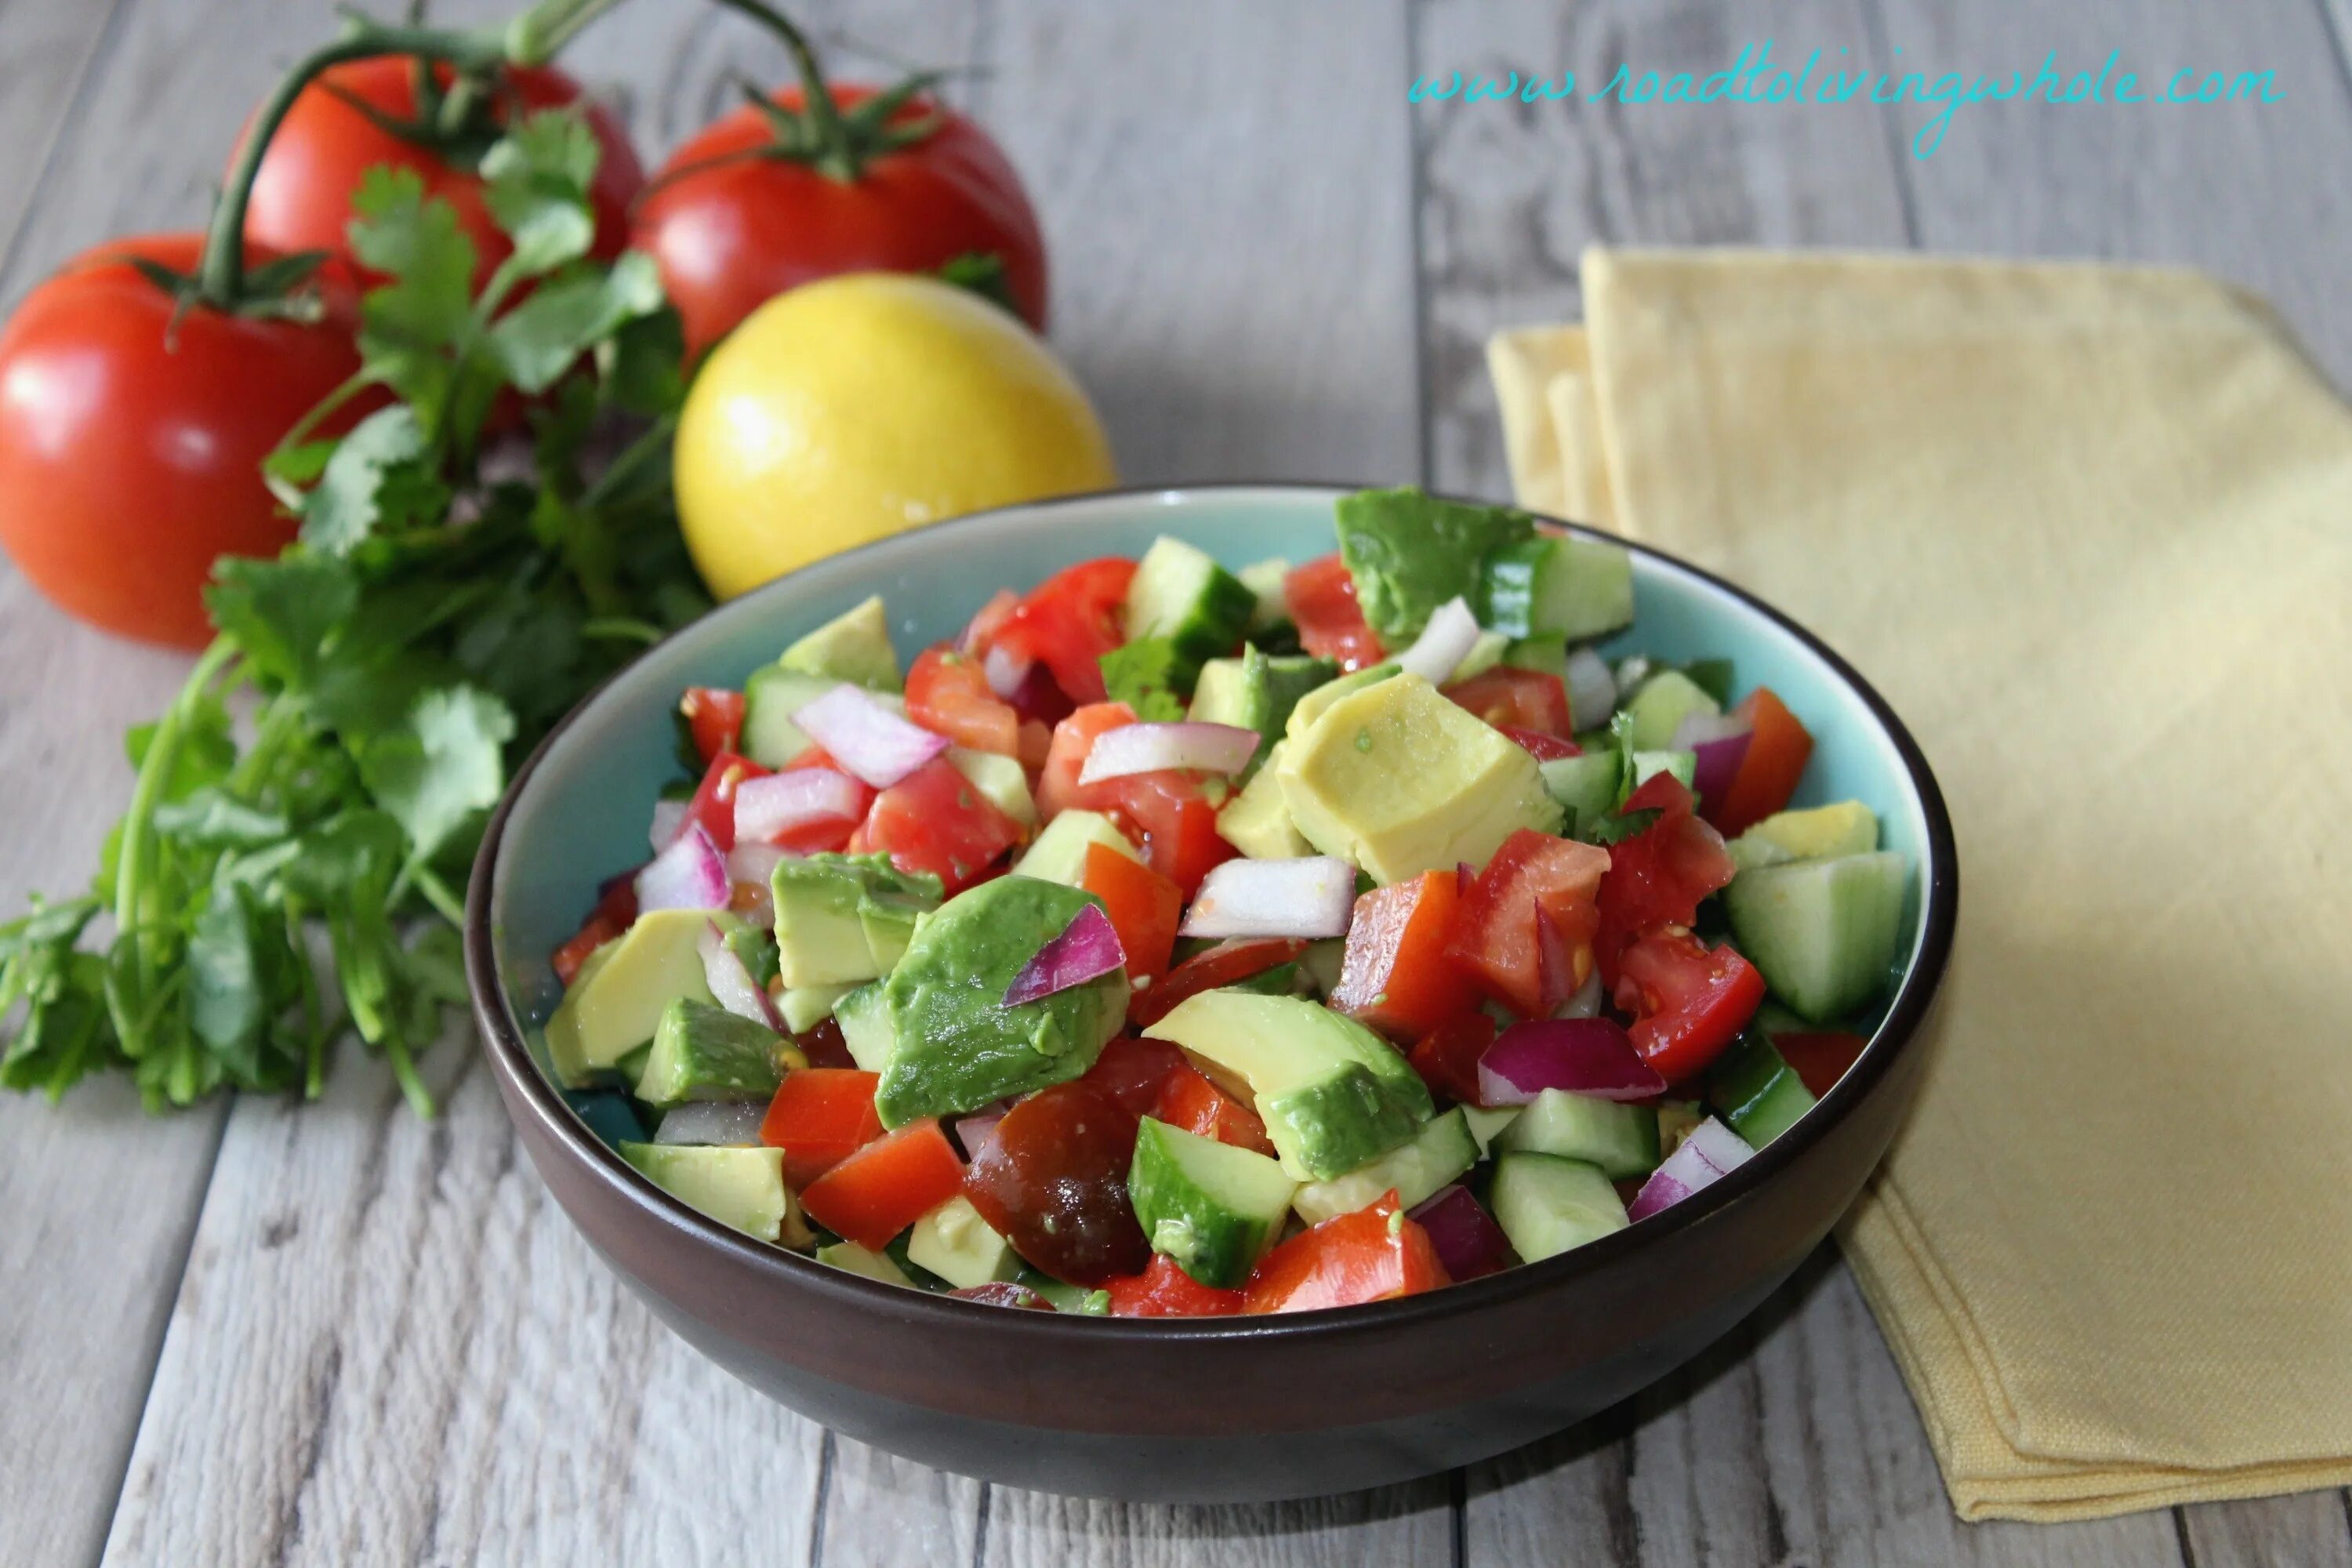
101, 48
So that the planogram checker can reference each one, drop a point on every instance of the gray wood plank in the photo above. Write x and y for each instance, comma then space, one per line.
1411, 1524
2311, 1529
46, 51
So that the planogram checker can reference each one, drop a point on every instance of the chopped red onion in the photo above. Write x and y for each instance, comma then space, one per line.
867, 738
1149, 748
977, 1129
1717, 763
669, 816
1592, 1057
1592, 690
776, 804
1313, 896
731, 982
1452, 632
1004, 670
754, 862
722, 1123
1711, 1153
691, 874
1086, 950
1465, 1237
1698, 727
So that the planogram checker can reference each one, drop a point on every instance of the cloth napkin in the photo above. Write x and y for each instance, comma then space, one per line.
2089, 530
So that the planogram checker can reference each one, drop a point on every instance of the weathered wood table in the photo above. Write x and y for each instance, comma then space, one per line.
333, 1334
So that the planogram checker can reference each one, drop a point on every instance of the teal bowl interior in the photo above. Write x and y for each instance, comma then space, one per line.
581, 813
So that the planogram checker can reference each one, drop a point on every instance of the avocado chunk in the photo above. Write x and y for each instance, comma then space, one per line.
1484, 655
1256, 821
1620, 1140
1662, 704
954, 1045
842, 918
953, 1242
1256, 692
736, 1186
1059, 855
863, 1014
1441, 1151
705, 1052
1213, 1209
615, 1007
853, 647
1546, 1205
805, 1006
1310, 706
1399, 781
1332, 1094
1846, 827
1822, 933
1000, 780
852, 1258
1409, 552
1558, 587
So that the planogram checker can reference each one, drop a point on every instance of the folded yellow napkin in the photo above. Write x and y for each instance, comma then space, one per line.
2089, 530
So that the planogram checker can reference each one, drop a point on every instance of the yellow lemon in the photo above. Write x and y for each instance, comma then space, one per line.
863, 405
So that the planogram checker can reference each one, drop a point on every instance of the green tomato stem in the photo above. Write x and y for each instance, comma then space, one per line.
837, 155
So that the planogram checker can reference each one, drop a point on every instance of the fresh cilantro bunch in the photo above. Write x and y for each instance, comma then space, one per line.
475, 554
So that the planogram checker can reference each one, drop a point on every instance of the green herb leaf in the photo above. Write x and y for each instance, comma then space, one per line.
536, 185
282, 613
421, 247
1141, 673
449, 764
375, 481
545, 335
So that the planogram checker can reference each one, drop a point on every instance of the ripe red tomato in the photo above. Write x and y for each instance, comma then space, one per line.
714, 716
1657, 877
1069, 621
1374, 1253
1516, 700
947, 694
934, 820
1525, 928
1058, 788
302, 194
1689, 1001
1227, 964
1322, 599
1173, 813
1164, 1290
1131, 1072
1397, 977
731, 222
130, 448
1053, 1181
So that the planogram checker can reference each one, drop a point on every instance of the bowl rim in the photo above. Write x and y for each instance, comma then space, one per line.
504, 1039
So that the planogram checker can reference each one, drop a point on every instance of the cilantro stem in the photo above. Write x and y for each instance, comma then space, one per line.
404, 1068
622, 628
352, 385
647, 448
836, 154
436, 892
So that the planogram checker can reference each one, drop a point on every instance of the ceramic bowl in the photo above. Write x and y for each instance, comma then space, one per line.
1217, 1409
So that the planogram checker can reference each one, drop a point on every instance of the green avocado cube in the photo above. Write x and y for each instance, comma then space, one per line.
853, 647
954, 1045
1256, 692
843, 919
742, 1187
1059, 855
1212, 1208
1256, 821
1440, 1151
1819, 832
863, 1014
704, 1052
617, 1000
1409, 552
852, 1258
953, 1242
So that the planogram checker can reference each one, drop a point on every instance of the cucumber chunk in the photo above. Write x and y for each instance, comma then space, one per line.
1557, 586
1585, 786
1441, 1151
1546, 1205
1263, 579
1619, 1141
1757, 1092
772, 696
1179, 594
1824, 932
1212, 1208
1664, 701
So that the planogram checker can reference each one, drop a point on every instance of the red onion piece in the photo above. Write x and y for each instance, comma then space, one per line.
1004, 670
1313, 896
1086, 950
1152, 748
1041, 697
1444, 642
1719, 740
1711, 1153
691, 874
752, 862
775, 804
1581, 1056
867, 738
726, 1123
1592, 690
669, 816
977, 1129
731, 982
1465, 1236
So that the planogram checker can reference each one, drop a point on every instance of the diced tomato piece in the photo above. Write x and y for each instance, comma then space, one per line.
1188, 1100
981, 633
1375, 1254
1511, 699
592, 934
1144, 905
1447, 1057
1069, 621
1819, 1056
1398, 977
1059, 789
1524, 932
886, 1186
616, 900
934, 820
1332, 624
1778, 749
1035, 741
1543, 748
1227, 964
1658, 877
820, 1117
1164, 1290
714, 716
1053, 1181
1689, 1001
1131, 1071
1175, 812
947, 694
714, 798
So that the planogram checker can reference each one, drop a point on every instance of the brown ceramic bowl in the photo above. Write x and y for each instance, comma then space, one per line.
1218, 1409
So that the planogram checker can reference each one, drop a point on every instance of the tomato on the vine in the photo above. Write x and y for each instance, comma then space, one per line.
343, 124
130, 443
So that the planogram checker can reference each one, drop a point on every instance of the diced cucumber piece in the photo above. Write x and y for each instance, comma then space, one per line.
772, 696
1065, 1297
615, 1004
1683, 765
1484, 1123
805, 1006
1618, 1140
1557, 587
1263, 579
1585, 786
1212, 1208
1059, 855
953, 1242
1546, 655
1824, 932
704, 1052
852, 1258
1179, 594
1441, 1151
1323, 962
1664, 701
1845, 827
854, 646
863, 1014
1757, 1092
1546, 1205
1484, 655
